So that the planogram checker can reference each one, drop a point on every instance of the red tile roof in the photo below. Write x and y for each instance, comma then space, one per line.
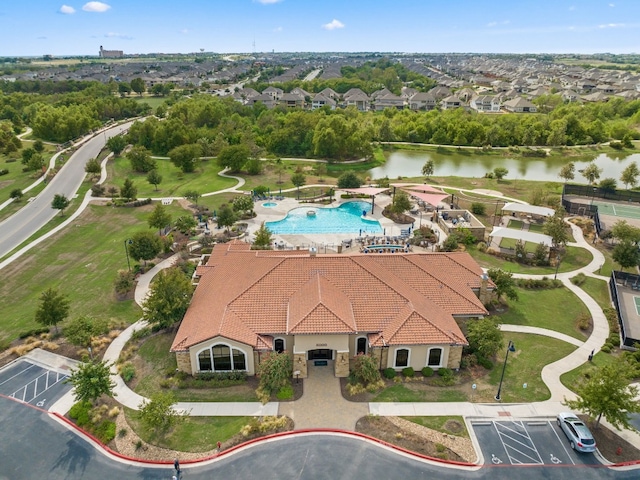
249, 296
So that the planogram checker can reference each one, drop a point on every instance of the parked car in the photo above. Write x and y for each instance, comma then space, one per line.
580, 438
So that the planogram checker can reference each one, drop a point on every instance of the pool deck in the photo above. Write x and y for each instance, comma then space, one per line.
327, 242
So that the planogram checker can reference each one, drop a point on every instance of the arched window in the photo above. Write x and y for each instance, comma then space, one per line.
220, 358
361, 345
278, 345
402, 358
204, 360
434, 357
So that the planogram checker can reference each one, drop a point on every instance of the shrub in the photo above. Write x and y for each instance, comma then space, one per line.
33, 332
482, 247
365, 369
389, 373
105, 431
579, 279
583, 321
355, 389
606, 348
408, 372
485, 362
478, 208
427, 372
4, 171
80, 413
445, 372
285, 393
122, 432
141, 333
128, 371
97, 190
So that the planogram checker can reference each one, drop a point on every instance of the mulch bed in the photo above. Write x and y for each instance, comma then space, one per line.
382, 429
611, 446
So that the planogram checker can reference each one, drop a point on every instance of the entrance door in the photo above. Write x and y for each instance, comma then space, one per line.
320, 354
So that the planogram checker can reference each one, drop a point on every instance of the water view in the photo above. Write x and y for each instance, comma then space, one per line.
409, 164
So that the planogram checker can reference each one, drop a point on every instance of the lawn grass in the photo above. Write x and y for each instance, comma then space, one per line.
440, 424
539, 308
154, 351
16, 178
404, 393
572, 378
174, 181
511, 243
192, 434
81, 261
515, 224
598, 290
536, 228
524, 366
153, 102
574, 259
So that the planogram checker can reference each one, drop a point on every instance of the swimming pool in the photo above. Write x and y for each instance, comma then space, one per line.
269, 204
347, 218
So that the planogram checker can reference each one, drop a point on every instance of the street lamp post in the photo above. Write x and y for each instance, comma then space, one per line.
127, 242
558, 260
510, 348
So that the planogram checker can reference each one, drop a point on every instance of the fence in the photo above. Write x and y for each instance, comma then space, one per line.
597, 192
625, 278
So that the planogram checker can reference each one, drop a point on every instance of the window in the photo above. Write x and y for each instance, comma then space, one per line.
278, 345
204, 360
402, 357
361, 345
434, 358
239, 362
221, 357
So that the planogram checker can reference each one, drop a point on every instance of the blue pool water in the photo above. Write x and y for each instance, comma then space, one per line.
269, 204
347, 218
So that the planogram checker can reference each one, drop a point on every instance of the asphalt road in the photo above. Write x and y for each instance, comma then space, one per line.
35, 214
36, 446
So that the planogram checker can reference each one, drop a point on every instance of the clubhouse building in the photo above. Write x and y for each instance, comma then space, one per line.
401, 308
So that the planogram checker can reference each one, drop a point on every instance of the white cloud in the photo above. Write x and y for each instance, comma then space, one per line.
612, 25
333, 24
67, 10
492, 24
98, 7
277, 29
612, 5
267, 2
118, 35
184, 31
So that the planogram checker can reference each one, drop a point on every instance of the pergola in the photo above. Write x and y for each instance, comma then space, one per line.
373, 191
426, 193
524, 235
528, 209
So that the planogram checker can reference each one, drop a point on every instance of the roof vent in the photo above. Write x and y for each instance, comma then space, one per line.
313, 251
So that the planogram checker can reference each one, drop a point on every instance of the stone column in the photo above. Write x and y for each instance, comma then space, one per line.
341, 364
455, 355
183, 359
300, 364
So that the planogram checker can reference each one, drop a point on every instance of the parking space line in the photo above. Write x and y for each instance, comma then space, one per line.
509, 445
59, 377
17, 374
561, 442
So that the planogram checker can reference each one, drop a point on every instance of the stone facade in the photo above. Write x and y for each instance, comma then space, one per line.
300, 364
341, 364
455, 355
183, 360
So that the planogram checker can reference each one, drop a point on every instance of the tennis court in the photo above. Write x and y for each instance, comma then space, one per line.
637, 302
618, 210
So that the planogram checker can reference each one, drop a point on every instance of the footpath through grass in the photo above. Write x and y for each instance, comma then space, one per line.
82, 262
600, 359
541, 308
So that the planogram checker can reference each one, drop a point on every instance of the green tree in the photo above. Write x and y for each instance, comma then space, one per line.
159, 218
226, 216
234, 157
349, 180
428, 168
92, 167
60, 202
298, 179
16, 194
27, 153
626, 254
263, 237
192, 195
90, 380
504, 282
158, 414
630, 175
124, 282
556, 228
622, 231
128, 190
38, 146
154, 178
592, 173
81, 330
243, 204
141, 160
186, 224
365, 369
274, 371
53, 308
138, 86
500, 172
568, 172
35, 163
321, 171
144, 246
186, 157
168, 298
117, 144
484, 336
401, 202
606, 392
608, 184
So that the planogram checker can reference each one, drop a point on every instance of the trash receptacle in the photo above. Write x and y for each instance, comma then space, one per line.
339, 248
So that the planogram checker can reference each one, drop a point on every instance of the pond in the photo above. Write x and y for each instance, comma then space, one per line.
407, 163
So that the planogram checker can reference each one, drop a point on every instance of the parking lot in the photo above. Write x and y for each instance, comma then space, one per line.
517, 442
32, 383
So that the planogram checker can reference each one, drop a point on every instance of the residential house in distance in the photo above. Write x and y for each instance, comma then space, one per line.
485, 103
520, 105
321, 100
388, 101
267, 100
570, 96
422, 101
355, 97
291, 100
451, 102
273, 92
400, 308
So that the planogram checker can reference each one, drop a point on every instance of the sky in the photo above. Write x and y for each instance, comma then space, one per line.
78, 27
